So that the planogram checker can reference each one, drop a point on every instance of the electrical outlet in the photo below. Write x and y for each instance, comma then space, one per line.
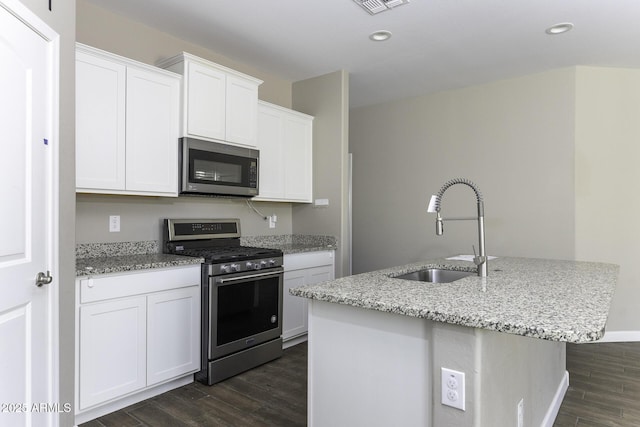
452, 388
272, 221
521, 413
114, 223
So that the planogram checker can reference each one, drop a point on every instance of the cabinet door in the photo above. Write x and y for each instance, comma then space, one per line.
294, 309
173, 334
270, 144
205, 101
297, 137
241, 111
320, 274
152, 132
100, 123
112, 346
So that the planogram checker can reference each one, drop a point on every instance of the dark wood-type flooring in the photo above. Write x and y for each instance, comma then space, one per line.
604, 386
604, 391
274, 394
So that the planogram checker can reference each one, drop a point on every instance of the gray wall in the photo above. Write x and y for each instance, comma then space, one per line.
555, 155
327, 99
102, 29
513, 138
62, 20
140, 216
607, 182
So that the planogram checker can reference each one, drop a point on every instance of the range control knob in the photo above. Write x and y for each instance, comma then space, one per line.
272, 262
253, 265
226, 268
263, 264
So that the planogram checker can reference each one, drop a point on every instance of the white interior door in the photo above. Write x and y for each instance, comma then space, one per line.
27, 83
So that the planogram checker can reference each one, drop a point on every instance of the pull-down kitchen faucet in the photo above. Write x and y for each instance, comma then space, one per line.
479, 259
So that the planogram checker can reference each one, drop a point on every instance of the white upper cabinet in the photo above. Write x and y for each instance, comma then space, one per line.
205, 96
285, 141
127, 116
100, 122
218, 103
152, 131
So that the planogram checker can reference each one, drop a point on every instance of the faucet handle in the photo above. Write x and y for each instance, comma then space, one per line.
439, 225
477, 260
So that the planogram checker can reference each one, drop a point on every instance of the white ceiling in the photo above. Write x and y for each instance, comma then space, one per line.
436, 44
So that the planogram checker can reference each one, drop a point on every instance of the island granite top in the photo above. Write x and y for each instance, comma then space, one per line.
549, 299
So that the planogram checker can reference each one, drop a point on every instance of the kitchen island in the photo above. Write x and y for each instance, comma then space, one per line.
377, 343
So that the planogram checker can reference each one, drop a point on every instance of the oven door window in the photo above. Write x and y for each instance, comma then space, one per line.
247, 308
217, 168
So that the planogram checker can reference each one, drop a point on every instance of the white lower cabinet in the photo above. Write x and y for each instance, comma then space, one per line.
112, 349
173, 330
137, 333
302, 269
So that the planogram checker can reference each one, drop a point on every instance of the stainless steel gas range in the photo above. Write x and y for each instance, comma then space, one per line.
241, 295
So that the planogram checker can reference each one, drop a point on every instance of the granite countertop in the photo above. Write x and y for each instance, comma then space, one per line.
103, 258
292, 243
118, 264
548, 299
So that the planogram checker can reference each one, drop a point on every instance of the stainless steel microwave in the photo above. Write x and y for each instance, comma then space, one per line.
212, 168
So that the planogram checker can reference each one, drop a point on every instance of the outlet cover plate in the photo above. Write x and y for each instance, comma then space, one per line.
114, 223
453, 388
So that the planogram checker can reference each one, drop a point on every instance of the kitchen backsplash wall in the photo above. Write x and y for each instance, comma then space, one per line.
141, 217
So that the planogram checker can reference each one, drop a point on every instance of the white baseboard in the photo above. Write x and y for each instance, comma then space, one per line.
620, 336
294, 341
107, 408
552, 412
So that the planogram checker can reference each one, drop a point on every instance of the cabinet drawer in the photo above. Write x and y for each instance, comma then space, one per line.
307, 260
134, 283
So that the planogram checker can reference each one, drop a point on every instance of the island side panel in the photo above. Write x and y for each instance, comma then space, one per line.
367, 368
516, 368
500, 369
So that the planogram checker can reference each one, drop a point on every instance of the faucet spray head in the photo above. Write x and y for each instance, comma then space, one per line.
439, 225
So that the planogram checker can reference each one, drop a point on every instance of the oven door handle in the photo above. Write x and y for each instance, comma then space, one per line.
223, 280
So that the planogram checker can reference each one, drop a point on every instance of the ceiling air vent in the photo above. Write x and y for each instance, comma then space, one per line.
377, 6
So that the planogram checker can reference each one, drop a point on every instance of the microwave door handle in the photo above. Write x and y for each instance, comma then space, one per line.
249, 277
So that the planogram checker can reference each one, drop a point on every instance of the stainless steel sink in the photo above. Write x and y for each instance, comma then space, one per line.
435, 275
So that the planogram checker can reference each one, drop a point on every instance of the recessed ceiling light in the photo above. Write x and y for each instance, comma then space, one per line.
559, 28
380, 36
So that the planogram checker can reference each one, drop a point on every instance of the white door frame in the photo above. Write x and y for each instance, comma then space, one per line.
35, 23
